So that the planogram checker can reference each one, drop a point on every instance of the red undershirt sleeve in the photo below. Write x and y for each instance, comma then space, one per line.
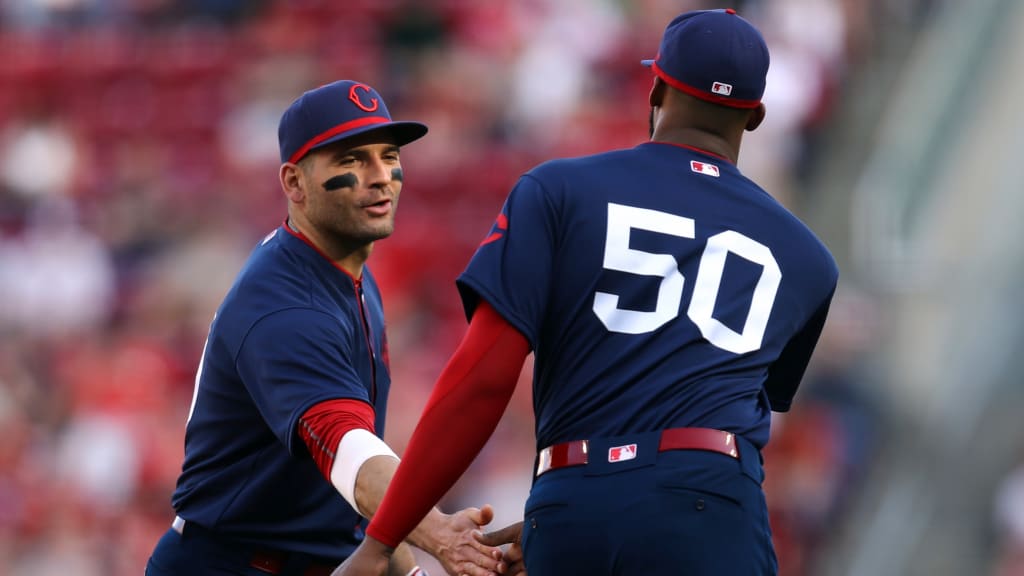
325, 423
467, 403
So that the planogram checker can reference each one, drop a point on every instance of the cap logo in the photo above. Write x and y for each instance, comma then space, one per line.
721, 88
357, 98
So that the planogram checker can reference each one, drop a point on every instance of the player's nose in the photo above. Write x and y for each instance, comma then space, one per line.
379, 172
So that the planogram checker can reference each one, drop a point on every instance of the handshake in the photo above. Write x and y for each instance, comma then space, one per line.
454, 539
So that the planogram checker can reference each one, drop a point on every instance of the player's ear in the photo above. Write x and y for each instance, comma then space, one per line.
291, 181
657, 95
756, 117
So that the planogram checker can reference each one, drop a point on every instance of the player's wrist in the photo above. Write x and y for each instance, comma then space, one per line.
377, 547
426, 534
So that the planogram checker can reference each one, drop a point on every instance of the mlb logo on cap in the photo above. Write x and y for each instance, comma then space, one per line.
335, 112
714, 55
720, 88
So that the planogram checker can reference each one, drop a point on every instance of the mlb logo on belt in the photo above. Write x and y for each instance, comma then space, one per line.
622, 453
704, 168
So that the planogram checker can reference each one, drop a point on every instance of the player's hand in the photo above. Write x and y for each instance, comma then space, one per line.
371, 558
458, 549
513, 557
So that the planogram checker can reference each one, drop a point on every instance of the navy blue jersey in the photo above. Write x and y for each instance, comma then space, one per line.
293, 331
659, 288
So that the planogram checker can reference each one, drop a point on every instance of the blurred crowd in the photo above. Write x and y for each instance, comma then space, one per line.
138, 167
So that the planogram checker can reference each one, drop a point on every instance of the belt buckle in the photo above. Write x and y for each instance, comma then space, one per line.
544, 461
269, 561
561, 455
733, 448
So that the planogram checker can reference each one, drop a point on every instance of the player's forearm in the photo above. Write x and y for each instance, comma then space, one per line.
358, 463
462, 412
428, 473
362, 470
371, 484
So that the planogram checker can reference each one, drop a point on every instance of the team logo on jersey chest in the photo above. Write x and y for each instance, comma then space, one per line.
622, 453
704, 168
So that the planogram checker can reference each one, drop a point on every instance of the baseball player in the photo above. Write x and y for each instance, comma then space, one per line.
671, 305
283, 452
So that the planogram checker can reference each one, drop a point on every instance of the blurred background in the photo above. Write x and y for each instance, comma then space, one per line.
138, 167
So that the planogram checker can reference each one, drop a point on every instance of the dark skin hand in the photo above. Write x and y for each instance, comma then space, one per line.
513, 556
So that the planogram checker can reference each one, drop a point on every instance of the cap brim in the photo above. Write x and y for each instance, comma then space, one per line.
647, 63
397, 133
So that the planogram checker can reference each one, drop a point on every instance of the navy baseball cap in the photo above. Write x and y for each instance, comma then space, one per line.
714, 55
337, 111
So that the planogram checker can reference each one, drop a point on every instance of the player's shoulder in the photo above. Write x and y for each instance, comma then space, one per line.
808, 250
776, 220
573, 175
275, 276
576, 164
274, 261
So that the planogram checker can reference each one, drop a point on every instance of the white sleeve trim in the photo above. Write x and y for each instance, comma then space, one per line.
355, 448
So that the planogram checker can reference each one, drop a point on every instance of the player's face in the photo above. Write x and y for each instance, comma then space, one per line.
352, 191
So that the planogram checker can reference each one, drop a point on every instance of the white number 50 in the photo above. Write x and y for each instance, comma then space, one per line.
619, 256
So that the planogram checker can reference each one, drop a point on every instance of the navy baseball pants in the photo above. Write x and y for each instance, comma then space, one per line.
198, 552
678, 512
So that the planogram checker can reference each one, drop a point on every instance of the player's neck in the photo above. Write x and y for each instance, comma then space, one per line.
343, 255
353, 261
700, 139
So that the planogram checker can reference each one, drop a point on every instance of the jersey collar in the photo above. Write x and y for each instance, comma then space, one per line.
692, 148
306, 240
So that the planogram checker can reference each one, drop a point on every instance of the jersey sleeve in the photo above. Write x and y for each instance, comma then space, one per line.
785, 374
293, 359
512, 267
324, 425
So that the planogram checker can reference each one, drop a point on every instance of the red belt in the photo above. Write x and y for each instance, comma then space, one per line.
266, 560
273, 562
575, 453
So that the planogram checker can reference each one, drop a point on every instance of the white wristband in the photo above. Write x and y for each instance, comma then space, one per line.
355, 448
